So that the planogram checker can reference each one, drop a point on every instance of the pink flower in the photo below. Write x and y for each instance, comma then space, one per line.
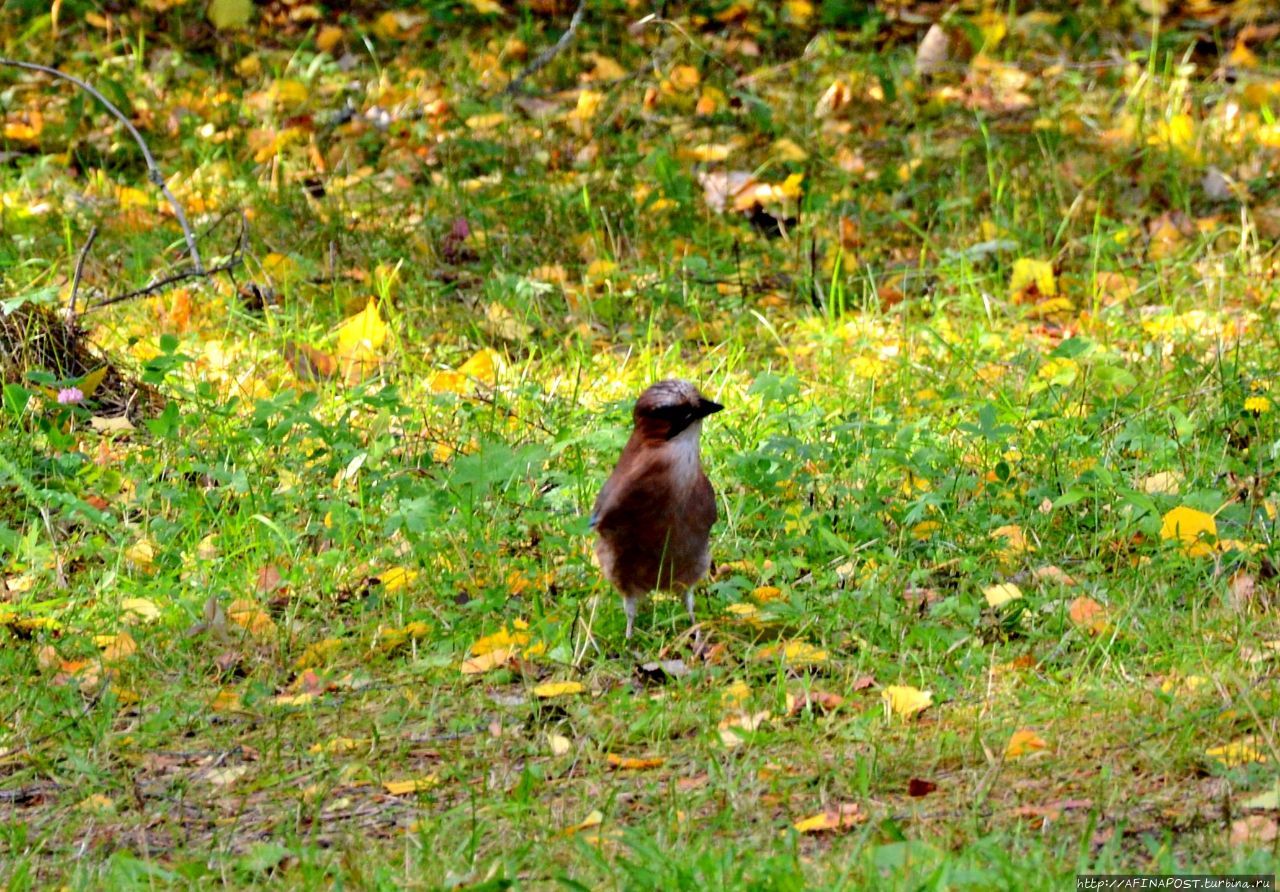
70, 396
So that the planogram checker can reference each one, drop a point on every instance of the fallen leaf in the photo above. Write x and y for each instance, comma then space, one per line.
1023, 742
139, 610
1187, 526
412, 785
395, 579
818, 701
733, 729
1031, 281
626, 763
1254, 830
792, 653
558, 689
1236, 753
917, 787
117, 647
1088, 615
1001, 593
594, 819
1051, 573
905, 700
842, 817
142, 554
249, 616
487, 661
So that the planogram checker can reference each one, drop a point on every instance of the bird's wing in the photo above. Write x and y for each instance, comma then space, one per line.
635, 498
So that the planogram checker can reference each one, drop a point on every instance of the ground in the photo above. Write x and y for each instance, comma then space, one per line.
990, 298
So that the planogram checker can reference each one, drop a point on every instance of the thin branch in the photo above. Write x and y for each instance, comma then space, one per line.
153, 169
236, 259
164, 283
544, 58
79, 273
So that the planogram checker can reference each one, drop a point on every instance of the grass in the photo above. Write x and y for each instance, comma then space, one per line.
303, 568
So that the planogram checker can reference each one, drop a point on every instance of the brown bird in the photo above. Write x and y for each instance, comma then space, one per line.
655, 512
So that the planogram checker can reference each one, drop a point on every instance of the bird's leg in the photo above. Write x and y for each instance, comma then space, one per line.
631, 605
693, 622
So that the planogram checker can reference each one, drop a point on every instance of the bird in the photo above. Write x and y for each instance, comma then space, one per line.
654, 515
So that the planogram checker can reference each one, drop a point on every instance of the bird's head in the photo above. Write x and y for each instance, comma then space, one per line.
669, 408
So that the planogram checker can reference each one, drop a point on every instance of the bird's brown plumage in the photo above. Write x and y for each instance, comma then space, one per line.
655, 512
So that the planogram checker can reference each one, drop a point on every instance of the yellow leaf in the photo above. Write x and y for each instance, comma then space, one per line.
766, 593
832, 820
504, 639
1237, 752
1031, 280
249, 616
1003, 593
117, 647
486, 7
142, 554
500, 321
1163, 483
318, 654
797, 11
1015, 539
230, 14
139, 610
1023, 742
98, 804
413, 785
683, 78
486, 121
485, 662
279, 267
589, 102
363, 333
733, 728
1187, 526
793, 653
905, 700
735, 695
397, 578
626, 763
26, 129
592, 820
337, 745
328, 37
447, 381
558, 689
226, 700
483, 367
289, 92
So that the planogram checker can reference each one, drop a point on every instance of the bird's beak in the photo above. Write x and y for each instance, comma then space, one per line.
708, 407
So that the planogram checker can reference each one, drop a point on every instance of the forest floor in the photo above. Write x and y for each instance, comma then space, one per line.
991, 306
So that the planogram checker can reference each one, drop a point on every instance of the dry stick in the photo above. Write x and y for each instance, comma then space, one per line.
544, 58
235, 260
79, 273
153, 169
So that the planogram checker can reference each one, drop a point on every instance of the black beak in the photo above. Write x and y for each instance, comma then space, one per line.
707, 407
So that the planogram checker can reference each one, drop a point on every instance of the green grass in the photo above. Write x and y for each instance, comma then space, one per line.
891, 406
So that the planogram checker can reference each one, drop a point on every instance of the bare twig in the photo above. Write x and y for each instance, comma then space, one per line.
153, 169
79, 273
232, 262
164, 283
544, 58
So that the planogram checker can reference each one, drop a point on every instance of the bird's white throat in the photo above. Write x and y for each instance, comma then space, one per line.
685, 453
